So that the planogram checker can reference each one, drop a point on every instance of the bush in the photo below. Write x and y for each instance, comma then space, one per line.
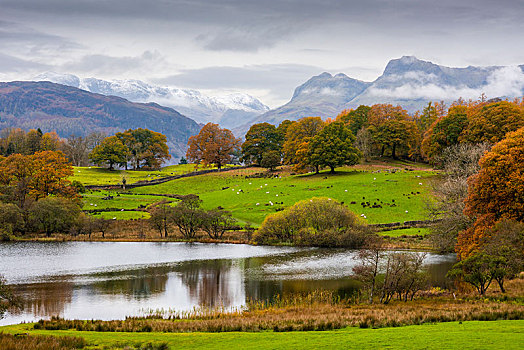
54, 215
318, 222
11, 218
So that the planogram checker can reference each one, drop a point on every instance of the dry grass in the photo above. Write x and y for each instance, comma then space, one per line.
316, 311
12, 342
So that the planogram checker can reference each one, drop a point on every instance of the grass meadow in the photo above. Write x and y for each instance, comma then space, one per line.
397, 196
377, 194
456, 335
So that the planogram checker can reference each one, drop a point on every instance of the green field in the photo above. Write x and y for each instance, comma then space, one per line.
398, 196
240, 195
101, 176
452, 335
414, 231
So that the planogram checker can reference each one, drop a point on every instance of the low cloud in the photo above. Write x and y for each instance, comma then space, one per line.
506, 81
110, 65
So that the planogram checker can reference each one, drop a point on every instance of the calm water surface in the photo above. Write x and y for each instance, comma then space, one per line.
103, 280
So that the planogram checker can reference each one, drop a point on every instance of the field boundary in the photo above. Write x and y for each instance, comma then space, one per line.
145, 183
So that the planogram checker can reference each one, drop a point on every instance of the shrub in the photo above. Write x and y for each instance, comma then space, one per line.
315, 222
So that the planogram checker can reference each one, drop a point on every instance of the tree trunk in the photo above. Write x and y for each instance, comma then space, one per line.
501, 284
393, 153
332, 169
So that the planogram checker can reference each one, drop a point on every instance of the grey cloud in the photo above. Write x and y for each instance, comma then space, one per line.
280, 79
103, 64
10, 64
247, 25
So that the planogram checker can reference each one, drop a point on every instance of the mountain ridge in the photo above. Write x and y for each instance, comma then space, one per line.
69, 110
191, 103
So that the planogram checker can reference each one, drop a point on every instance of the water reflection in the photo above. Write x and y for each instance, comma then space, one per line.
175, 276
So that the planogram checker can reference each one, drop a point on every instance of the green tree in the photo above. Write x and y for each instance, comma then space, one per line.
333, 147
355, 119
7, 298
216, 222
313, 222
261, 139
111, 151
188, 216
146, 148
54, 215
444, 132
478, 270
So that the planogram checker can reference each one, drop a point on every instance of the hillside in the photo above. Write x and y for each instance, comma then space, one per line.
229, 110
68, 110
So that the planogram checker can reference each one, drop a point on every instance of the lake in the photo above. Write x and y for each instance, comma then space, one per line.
102, 280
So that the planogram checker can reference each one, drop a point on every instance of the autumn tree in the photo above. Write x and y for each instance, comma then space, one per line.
495, 193
444, 132
212, 145
146, 148
111, 151
355, 119
333, 147
430, 113
392, 128
51, 175
261, 139
298, 135
490, 122
16, 174
35, 176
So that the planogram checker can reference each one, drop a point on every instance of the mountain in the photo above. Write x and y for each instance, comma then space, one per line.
412, 83
228, 110
69, 110
323, 95
406, 81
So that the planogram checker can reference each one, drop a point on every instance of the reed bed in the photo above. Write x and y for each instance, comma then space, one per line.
305, 313
12, 342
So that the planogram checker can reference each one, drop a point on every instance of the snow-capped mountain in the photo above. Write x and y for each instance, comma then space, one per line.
412, 83
406, 81
228, 110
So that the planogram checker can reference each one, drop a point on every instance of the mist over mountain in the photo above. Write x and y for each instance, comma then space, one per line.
228, 110
412, 83
69, 110
406, 81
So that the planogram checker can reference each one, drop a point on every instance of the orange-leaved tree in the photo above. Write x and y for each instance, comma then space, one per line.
391, 127
490, 122
496, 192
35, 176
298, 136
212, 145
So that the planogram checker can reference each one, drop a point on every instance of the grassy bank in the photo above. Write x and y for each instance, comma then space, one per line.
452, 335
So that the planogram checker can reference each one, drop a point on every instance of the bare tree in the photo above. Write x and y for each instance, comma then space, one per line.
459, 162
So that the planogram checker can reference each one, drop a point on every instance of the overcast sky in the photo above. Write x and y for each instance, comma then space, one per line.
262, 47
